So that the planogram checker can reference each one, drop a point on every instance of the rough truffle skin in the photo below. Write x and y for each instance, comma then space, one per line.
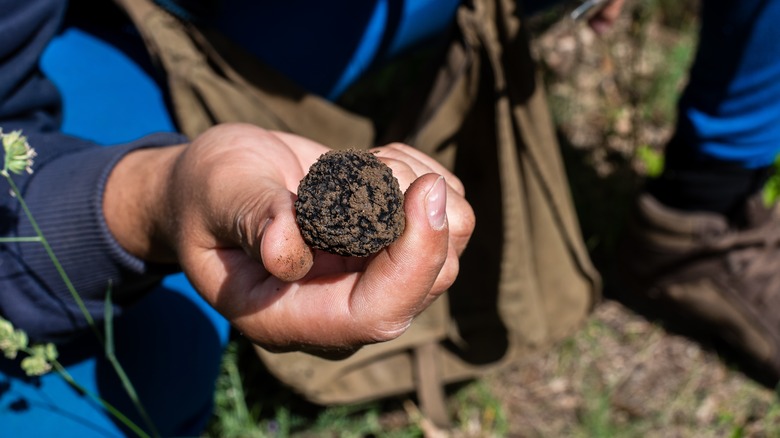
350, 204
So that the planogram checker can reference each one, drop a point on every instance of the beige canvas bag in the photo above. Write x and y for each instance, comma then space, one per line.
526, 279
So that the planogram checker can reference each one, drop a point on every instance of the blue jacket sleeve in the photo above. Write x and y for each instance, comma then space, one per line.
64, 193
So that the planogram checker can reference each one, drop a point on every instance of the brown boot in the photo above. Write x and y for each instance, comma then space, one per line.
718, 277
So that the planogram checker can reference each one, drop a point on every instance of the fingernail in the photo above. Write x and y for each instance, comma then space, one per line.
436, 204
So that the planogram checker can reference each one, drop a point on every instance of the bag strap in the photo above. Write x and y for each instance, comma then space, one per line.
137, 11
430, 385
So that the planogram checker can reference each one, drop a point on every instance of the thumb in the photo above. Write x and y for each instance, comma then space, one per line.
282, 250
398, 282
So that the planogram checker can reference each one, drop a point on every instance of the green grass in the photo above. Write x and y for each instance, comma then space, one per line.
477, 407
241, 411
252, 407
233, 418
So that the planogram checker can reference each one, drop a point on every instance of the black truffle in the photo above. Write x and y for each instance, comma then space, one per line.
350, 204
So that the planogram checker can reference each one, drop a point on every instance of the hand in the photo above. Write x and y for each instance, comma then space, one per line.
605, 18
229, 221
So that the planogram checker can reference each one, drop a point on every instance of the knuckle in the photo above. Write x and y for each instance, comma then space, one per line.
447, 276
462, 223
384, 331
456, 184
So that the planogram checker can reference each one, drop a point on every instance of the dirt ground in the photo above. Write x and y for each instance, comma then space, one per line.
625, 376
613, 99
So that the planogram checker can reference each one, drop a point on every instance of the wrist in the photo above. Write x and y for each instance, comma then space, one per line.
134, 203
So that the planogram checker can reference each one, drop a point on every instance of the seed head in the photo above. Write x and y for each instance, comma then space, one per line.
18, 153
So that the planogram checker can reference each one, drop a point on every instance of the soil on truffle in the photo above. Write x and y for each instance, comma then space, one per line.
350, 204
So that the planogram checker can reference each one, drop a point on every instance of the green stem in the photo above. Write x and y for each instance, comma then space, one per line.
72, 289
128, 386
108, 406
109, 349
57, 264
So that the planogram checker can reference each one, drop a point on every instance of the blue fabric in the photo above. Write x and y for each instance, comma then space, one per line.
328, 45
64, 193
730, 109
108, 97
171, 341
